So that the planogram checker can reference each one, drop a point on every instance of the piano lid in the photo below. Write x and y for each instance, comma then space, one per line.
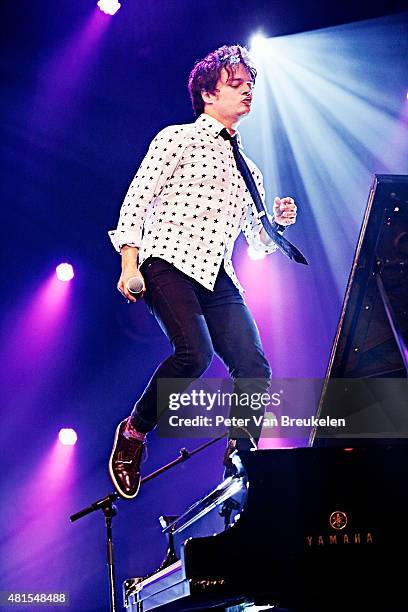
370, 348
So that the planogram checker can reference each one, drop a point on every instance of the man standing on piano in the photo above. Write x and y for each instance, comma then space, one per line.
178, 224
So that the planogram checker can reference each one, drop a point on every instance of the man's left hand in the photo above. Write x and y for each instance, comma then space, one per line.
284, 211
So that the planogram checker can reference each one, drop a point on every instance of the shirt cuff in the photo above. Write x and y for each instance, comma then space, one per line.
267, 242
267, 245
120, 239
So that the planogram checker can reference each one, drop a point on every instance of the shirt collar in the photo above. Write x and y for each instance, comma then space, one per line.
213, 126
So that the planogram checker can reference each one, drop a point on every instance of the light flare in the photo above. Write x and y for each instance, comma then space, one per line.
67, 436
64, 272
109, 7
254, 254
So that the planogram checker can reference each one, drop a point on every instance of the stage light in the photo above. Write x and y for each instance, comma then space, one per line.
67, 436
253, 254
64, 272
109, 7
258, 41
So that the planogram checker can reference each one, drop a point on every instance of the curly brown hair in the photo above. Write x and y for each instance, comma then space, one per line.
206, 72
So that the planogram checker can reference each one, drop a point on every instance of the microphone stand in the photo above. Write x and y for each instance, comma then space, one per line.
110, 510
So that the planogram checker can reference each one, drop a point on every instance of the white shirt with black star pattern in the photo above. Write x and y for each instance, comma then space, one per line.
188, 203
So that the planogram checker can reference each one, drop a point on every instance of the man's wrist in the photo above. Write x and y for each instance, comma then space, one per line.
129, 254
278, 226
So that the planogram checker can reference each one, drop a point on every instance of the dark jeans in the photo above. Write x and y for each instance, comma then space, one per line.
199, 323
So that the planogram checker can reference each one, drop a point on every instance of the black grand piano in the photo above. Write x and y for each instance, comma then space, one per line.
323, 528
310, 529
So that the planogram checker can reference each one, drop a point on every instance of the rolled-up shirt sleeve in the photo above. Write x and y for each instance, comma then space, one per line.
157, 166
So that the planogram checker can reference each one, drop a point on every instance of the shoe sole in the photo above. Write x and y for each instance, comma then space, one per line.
112, 475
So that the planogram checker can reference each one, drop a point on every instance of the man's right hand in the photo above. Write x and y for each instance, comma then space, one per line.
129, 270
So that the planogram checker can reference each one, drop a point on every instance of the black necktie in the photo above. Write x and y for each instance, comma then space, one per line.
284, 245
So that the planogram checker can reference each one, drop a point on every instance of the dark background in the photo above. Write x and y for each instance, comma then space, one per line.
82, 96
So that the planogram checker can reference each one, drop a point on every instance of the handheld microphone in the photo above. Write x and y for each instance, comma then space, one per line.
136, 286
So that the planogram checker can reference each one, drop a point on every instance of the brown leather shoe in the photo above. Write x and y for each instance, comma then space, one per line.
124, 462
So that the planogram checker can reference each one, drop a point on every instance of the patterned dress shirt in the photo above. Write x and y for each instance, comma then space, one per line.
188, 203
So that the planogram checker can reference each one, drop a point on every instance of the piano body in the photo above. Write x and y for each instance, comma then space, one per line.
323, 528
318, 529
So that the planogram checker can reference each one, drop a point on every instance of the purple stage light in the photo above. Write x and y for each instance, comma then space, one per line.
253, 254
64, 272
109, 7
67, 436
